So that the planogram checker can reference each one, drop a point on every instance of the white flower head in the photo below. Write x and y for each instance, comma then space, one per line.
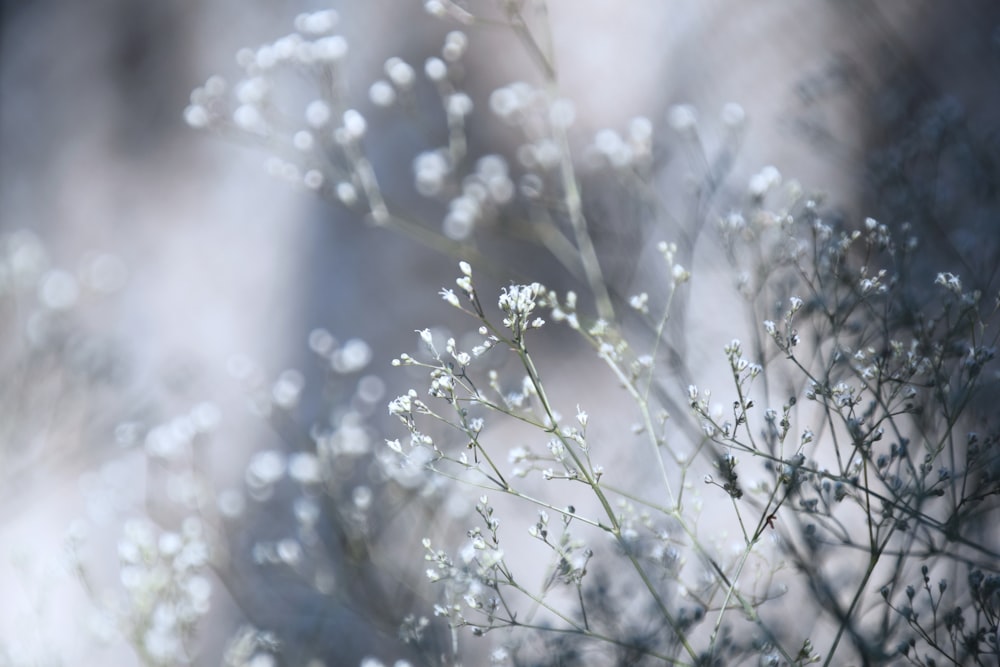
518, 303
683, 117
764, 181
381, 93
949, 281
733, 115
435, 69
354, 124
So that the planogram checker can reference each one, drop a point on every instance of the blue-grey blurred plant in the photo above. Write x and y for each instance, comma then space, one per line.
831, 502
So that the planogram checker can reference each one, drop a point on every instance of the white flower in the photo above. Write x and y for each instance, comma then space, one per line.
249, 119
557, 448
682, 117
265, 468
763, 181
640, 131
355, 124
518, 302
949, 281
435, 8
639, 302
562, 113
459, 104
197, 116
329, 49
455, 43
318, 114
347, 193
399, 72
402, 405
435, 69
449, 296
313, 179
58, 290
504, 102
733, 115
381, 94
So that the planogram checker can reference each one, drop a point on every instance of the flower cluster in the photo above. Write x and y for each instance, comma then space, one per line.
830, 455
165, 576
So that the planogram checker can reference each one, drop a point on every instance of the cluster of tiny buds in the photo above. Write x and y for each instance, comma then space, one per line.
401, 77
791, 337
163, 574
632, 150
310, 45
518, 304
623, 152
950, 282
464, 282
322, 154
483, 192
640, 302
678, 273
872, 284
698, 399
738, 363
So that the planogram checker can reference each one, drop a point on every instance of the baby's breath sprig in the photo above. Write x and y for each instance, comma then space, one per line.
568, 447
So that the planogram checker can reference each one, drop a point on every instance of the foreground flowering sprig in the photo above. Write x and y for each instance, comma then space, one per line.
864, 396
567, 458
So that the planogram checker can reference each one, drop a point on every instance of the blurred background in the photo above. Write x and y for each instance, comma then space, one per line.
146, 266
